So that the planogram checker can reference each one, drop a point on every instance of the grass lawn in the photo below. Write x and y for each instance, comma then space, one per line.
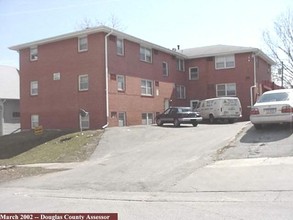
49, 147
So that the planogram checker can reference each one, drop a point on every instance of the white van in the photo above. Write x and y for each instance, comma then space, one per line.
222, 108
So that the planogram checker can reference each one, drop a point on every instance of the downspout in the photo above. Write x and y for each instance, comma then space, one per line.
106, 76
254, 80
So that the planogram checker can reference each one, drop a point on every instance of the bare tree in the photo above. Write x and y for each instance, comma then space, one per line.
280, 45
112, 22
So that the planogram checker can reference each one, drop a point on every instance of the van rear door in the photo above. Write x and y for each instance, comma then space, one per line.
231, 108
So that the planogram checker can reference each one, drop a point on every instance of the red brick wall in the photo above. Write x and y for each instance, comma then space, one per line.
58, 102
131, 101
242, 75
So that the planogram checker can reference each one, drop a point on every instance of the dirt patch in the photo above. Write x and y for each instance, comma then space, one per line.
12, 172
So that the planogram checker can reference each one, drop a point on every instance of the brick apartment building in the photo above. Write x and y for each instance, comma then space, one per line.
123, 80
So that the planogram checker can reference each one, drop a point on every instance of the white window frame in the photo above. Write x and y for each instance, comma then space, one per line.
225, 62
193, 75
34, 121
82, 44
147, 87
165, 69
121, 119
147, 118
81, 85
33, 53
180, 92
120, 82
120, 46
56, 76
145, 54
85, 121
180, 64
34, 88
227, 90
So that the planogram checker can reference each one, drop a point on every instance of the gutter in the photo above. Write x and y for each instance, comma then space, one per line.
107, 78
254, 79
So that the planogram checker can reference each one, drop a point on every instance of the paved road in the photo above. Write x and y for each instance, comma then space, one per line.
150, 172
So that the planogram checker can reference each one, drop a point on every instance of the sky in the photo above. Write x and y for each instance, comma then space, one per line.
168, 23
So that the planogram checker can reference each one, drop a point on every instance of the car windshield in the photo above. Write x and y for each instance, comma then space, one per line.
274, 97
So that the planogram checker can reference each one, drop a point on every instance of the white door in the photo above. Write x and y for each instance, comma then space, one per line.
166, 104
194, 104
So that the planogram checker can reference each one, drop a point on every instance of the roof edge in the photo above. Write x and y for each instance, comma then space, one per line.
98, 29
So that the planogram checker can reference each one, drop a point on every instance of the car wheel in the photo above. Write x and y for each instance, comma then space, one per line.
176, 122
194, 124
159, 122
211, 119
257, 126
231, 121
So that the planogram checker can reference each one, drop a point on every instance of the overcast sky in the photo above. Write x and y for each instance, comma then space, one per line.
188, 23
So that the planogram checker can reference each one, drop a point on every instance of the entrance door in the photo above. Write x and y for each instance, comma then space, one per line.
121, 119
166, 104
194, 104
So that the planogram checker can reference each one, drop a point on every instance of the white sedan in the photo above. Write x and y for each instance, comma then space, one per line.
274, 106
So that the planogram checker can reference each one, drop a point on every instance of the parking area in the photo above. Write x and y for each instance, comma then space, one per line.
270, 141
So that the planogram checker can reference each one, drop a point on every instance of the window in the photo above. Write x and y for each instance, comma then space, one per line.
15, 114
225, 62
193, 73
121, 119
180, 64
120, 46
83, 81
165, 69
82, 44
228, 89
56, 76
33, 53
34, 121
147, 87
34, 88
147, 118
145, 54
120, 82
180, 92
85, 121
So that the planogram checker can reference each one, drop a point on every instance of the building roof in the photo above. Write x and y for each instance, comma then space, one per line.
98, 29
9, 83
221, 50
191, 53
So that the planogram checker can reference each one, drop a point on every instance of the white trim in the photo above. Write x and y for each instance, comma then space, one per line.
226, 89
146, 87
79, 41
34, 88
34, 53
123, 83
194, 67
167, 68
145, 51
79, 82
35, 121
99, 29
122, 45
225, 59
